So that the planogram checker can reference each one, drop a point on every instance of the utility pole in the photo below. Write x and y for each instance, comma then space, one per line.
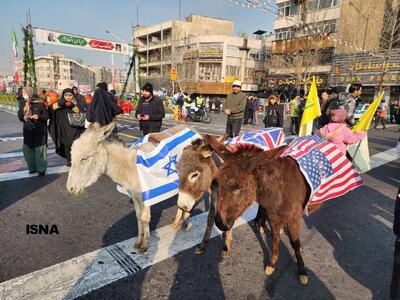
137, 12
180, 8
366, 21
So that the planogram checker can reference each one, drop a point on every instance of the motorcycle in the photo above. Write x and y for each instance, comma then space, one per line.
199, 115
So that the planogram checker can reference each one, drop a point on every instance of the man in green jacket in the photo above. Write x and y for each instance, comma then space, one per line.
234, 109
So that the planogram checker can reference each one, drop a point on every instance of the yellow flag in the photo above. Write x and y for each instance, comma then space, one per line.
366, 118
311, 110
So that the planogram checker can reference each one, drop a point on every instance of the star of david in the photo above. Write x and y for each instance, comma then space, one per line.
170, 165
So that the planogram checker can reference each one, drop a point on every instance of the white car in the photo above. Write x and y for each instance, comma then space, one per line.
361, 108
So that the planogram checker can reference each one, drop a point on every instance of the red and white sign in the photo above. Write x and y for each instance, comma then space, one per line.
101, 45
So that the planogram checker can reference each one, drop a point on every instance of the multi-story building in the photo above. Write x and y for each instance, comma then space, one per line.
54, 71
102, 74
368, 47
305, 33
204, 52
339, 41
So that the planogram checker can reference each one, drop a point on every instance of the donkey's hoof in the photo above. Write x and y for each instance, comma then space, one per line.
303, 279
137, 244
269, 270
226, 254
199, 249
142, 249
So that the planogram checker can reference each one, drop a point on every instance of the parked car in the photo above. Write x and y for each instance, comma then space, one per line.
361, 108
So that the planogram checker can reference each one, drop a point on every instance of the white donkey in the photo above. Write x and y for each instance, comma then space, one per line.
93, 156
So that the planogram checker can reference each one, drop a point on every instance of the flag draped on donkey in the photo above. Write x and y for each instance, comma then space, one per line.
327, 170
266, 138
158, 177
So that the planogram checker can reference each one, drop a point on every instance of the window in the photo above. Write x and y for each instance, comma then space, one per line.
283, 34
210, 72
320, 27
313, 5
233, 70
255, 54
204, 46
288, 8
233, 51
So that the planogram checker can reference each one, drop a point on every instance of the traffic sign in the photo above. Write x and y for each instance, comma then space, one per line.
173, 74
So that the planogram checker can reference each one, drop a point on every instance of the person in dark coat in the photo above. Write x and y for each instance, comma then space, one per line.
394, 286
33, 114
248, 111
103, 108
78, 96
273, 113
62, 133
150, 111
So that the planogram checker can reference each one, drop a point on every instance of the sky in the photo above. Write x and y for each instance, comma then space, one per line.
93, 17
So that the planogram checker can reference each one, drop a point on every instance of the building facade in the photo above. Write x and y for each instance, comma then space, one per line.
339, 41
304, 44
204, 52
102, 74
57, 72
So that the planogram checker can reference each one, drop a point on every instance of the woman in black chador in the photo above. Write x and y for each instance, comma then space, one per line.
61, 131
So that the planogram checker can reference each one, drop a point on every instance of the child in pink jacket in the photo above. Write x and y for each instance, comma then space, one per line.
338, 133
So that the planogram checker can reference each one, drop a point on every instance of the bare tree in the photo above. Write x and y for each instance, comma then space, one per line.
308, 47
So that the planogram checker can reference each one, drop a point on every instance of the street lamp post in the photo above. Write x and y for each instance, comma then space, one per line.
112, 56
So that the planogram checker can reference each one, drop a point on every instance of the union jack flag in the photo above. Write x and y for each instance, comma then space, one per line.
266, 138
327, 170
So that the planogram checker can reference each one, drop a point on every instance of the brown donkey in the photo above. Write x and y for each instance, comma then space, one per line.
278, 185
197, 167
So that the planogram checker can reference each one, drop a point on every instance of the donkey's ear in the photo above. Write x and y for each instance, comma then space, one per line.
222, 138
106, 130
216, 146
206, 151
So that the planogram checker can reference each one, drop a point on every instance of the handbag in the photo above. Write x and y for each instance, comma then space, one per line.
77, 120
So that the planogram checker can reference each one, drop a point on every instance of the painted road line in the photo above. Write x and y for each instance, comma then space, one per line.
19, 154
25, 174
83, 274
91, 271
383, 158
128, 135
11, 138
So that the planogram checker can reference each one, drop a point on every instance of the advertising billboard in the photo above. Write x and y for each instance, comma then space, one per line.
77, 41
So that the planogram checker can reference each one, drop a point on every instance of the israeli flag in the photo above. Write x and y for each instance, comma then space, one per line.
158, 177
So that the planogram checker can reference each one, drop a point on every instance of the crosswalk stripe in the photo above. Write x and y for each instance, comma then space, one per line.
83, 274
19, 154
25, 174
11, 138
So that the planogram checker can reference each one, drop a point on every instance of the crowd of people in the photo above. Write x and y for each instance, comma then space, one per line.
66, 117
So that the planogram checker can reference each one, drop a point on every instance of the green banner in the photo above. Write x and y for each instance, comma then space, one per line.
72, 40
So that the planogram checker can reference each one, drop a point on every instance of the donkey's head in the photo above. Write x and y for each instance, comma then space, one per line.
196, 169
235, 186
88, 158
234, 189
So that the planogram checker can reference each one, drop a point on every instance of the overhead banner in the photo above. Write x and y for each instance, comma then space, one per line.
77, 41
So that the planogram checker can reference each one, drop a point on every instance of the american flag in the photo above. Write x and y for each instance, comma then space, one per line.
327, 170
266, 138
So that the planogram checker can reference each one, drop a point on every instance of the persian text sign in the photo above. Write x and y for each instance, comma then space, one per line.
77, 41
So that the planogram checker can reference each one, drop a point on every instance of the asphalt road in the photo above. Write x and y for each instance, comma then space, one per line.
347, 244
